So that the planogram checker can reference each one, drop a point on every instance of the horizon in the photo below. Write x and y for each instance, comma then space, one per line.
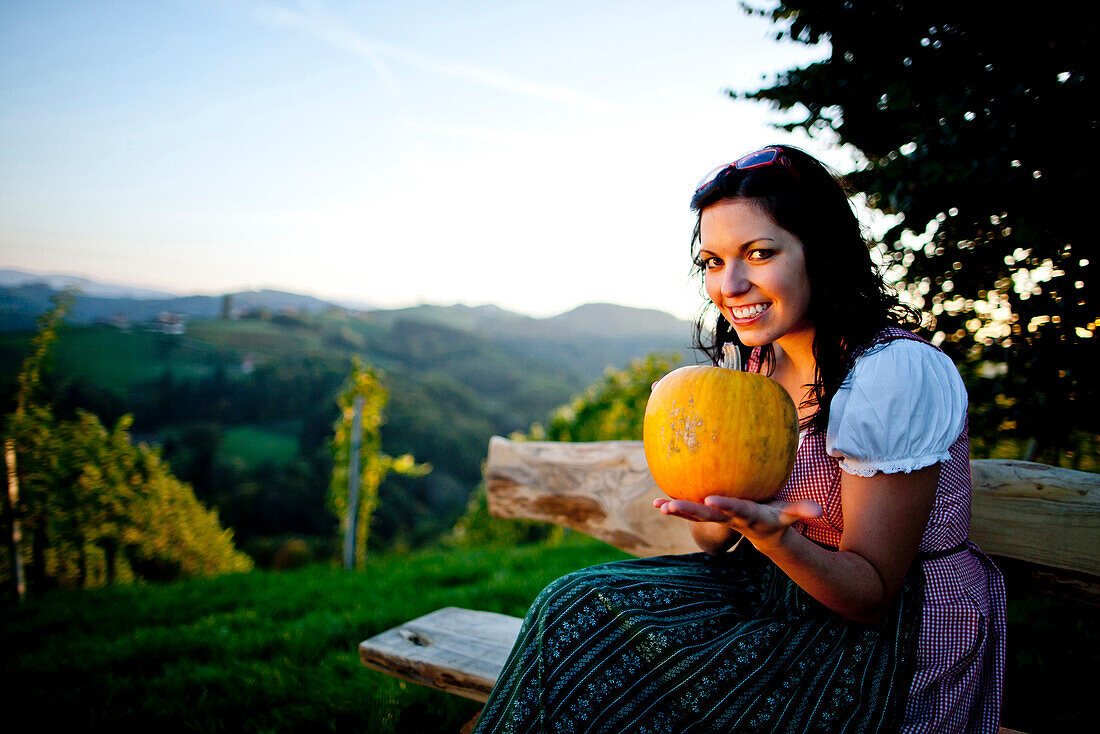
156, 294
530, 155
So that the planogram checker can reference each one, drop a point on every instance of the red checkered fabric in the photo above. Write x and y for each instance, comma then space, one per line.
961, 646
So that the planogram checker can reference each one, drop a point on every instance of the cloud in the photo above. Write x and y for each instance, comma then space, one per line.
316, 19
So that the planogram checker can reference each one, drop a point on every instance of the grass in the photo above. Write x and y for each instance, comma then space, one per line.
261, 652
262, 339
273, 652
254, 445
117, 360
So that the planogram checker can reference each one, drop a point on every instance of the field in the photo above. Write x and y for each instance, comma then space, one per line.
259, 652
253, 445
268, 651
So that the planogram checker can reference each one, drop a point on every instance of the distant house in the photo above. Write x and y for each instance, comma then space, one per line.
169, 323
120, 321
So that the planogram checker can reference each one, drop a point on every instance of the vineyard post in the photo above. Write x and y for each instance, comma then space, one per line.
353, 484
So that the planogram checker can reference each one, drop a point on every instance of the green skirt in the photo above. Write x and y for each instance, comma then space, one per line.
695, 643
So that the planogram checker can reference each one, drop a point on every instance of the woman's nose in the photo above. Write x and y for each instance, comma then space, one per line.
734, 282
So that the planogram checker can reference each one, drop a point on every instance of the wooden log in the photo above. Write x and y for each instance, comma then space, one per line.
461, 651
1041, 515
1037, 513
600, 488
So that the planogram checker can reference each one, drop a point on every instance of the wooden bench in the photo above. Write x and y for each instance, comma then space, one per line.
1040, 523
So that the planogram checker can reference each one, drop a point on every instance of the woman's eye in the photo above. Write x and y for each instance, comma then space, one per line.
761, 254
712, 263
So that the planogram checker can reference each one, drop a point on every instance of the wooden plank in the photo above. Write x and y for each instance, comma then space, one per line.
1032, 512
1037, 513
461, 651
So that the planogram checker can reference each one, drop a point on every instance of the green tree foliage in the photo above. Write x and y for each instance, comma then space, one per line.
976, 124
97, 508
613, 408
366, 383
610, 409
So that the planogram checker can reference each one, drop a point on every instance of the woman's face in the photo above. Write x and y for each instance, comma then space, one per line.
755, 273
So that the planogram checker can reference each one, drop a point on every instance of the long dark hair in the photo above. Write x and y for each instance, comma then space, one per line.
850, 303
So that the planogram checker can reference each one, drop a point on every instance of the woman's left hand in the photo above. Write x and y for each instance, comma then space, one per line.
761, 522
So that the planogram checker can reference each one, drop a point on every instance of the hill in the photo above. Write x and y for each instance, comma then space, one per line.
583, 341
21, 304
243, 407
58, 281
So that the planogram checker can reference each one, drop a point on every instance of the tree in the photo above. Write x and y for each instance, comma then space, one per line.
29, 422
612, 408
90, 497
977, 130
364, 386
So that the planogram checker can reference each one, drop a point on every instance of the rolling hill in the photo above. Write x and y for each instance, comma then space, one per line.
243, 405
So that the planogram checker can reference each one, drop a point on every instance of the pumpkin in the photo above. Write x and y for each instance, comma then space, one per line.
717, 431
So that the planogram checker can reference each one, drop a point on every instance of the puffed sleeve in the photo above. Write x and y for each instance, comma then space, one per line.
901, 408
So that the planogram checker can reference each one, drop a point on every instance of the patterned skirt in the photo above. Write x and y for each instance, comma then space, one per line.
695, 643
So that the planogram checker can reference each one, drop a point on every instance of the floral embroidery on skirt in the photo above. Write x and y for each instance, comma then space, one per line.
695, 643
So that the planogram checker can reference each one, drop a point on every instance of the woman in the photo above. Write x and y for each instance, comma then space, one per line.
857, 603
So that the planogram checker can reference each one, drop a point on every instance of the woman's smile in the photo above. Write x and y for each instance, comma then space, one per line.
746, 314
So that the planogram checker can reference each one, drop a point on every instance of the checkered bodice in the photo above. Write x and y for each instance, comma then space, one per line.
816, 476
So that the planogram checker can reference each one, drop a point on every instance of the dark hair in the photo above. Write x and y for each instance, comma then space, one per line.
850, 304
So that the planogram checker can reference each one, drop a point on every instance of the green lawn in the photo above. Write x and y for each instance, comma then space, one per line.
268, 652
258, 652
254, 445
262, 339
116, 360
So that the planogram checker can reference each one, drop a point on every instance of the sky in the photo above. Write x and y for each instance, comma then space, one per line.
530, 154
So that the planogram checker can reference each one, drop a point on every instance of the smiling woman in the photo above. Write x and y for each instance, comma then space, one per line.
858, 604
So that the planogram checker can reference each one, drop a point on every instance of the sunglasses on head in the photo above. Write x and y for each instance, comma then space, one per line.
764, 157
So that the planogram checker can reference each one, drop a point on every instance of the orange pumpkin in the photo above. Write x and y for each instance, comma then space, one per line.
711, 430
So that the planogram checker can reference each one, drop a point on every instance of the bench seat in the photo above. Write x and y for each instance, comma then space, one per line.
461, 651
1040, 522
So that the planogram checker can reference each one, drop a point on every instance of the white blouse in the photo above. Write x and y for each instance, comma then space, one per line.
900, 409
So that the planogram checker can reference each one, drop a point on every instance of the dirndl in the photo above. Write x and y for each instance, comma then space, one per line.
700, 643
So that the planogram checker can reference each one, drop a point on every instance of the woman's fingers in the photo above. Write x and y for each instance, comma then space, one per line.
736, 510
776, 514
689, 510
741, 514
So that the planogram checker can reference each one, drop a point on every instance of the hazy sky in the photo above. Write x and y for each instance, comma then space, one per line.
535, 155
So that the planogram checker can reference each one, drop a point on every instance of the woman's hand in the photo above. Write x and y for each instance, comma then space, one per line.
884, 519
762, 523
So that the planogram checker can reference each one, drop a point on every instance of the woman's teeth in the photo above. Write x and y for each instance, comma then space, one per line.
747, 312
